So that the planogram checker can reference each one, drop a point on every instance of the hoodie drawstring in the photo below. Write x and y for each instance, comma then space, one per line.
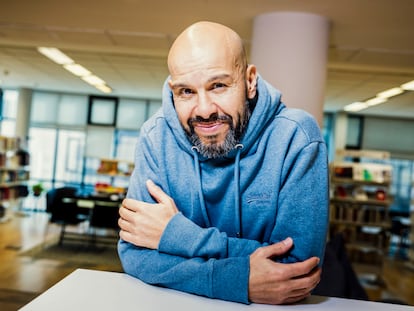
237, 205
200, 190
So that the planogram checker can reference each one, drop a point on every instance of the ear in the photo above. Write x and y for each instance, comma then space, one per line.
170, 84
251, 81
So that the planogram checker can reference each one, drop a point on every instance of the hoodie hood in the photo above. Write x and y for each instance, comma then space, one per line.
268, 104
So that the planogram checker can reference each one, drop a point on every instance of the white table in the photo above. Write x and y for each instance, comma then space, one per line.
98, 290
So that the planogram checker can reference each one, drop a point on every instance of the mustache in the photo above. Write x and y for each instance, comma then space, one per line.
212, 118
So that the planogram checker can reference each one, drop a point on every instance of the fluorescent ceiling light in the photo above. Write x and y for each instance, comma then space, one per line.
77, 70
93, 80
55, 55
381, 97
357, 106
391, 92
62, 59
104, 88
409, 86
375, 101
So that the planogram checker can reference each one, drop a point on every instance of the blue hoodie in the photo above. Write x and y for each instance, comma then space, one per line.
274, 185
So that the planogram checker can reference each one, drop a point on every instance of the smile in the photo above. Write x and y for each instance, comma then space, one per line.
209, 128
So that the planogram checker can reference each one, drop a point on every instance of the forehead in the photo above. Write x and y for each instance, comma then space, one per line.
201, 64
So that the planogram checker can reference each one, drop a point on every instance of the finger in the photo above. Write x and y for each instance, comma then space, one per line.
126, 236
306, 283
315, 277
296, 298
122, 224
277, 249
300, 294
126, 213
304, 267
125, 224
130, 204
157, 193
299, 271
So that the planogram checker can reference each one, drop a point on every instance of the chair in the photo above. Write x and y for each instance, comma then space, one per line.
62, 207
400, 240
338, 277
105, 215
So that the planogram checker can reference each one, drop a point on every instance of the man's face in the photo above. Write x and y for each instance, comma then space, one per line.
211, 103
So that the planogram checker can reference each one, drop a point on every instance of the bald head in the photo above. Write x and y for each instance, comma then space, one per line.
206, 42
211, 85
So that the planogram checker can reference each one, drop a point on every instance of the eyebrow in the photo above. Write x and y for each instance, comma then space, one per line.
219, 77
214, 78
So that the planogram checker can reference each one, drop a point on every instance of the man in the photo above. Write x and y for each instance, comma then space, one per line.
229, 196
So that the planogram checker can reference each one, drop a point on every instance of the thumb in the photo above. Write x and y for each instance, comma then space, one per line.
156, 192
278, 248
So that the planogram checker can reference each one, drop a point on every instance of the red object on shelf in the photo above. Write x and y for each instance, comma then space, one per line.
381, 195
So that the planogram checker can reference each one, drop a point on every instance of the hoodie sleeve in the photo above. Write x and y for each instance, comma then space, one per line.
225, 279
182, 237
304, 197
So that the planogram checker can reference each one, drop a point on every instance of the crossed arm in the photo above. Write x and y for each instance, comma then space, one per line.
142, 224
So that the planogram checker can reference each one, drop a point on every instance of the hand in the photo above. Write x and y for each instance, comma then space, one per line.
277, 283
143, 223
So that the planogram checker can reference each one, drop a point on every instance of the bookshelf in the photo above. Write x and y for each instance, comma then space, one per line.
411, 232
115, 170
14, 174
359, 207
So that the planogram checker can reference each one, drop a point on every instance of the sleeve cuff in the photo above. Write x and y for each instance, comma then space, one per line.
231, 279
178, 237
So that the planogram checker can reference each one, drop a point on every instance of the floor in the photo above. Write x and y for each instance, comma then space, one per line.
22, 279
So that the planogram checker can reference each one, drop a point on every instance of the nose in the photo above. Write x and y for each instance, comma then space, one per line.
205, 105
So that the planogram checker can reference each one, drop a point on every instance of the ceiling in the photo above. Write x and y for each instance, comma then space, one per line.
125, 42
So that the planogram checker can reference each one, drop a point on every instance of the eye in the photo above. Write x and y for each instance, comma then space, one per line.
185, 92
218, 85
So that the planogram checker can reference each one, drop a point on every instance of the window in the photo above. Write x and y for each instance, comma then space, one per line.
42, 146
154, 107
125, 144
327, 134
69, 156
56, 155
131, 114
402, 181
70, 133
8, 112
354, 132
72, 110
59, 109
100, 142
102, 110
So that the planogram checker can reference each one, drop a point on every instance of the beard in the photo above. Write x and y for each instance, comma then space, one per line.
215, 149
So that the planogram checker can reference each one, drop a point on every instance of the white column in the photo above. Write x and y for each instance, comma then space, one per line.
290, 52
24, 104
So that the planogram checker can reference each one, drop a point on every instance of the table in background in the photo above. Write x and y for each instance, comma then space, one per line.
66, 207
101, 291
